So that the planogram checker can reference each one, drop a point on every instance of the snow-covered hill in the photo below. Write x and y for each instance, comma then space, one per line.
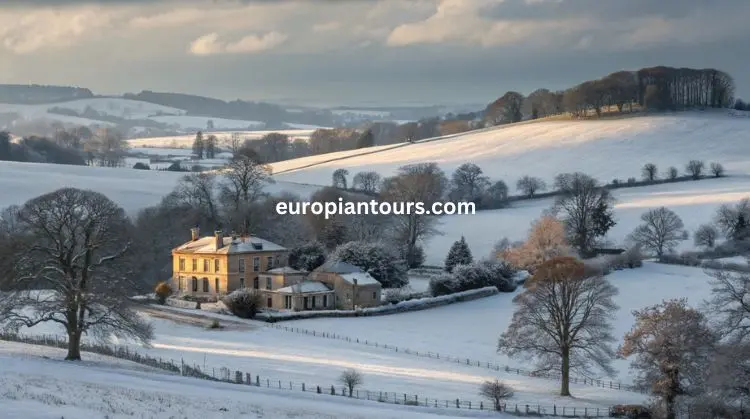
131, 189
37, 384
605, 149
94, 112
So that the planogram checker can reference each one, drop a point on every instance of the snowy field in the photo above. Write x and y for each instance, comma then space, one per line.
605, 149
694, 201
36, 384
450, 330
186, 141
132, 189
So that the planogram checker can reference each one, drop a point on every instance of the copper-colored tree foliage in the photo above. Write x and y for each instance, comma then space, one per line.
546, 241
672, 344
562, 321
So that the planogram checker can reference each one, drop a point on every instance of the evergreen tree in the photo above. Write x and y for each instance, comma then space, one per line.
198, 145
458, 255
210, 146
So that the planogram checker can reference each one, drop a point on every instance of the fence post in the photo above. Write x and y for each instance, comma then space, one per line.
527, 409
268, 383
554, 410
458, 404
257, 380
303, 386
481, 405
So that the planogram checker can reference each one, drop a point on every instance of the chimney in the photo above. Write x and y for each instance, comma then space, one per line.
195, 233
218, 239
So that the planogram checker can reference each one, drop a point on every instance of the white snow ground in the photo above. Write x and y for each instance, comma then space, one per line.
605, 149
131, 189
186, 141
36, 384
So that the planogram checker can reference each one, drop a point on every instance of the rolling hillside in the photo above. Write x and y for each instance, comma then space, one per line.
605, 149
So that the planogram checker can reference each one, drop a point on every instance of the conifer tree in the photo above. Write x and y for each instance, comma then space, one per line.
458, 255
198, 145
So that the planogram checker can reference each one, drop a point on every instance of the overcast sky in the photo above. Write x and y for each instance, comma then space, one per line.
362, 51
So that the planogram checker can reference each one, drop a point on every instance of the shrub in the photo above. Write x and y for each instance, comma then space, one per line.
682, 259
474, 276
672, 173
215, 324
695, 168
496, 391
243, 303
631, 180
162, 290
377, 259
706, 236
141, 166
442, 284
630, 411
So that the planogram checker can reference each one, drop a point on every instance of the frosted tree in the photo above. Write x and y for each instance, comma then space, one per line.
730, 304
351, 378
377, 259
546, 241
661, 231
496, 391
672, 344
717, 169
210, 146
308, 256
75, 245
562, 321
734, 220
459, 254
649, 172
694, 168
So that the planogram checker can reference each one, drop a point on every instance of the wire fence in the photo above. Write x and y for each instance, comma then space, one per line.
614, 385
238, 377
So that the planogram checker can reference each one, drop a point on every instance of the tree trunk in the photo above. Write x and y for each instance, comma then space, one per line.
74, 346
565, 373
670, 401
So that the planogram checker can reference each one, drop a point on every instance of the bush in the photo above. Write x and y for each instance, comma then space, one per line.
630, 411
376, 259
682, 259
162, 290
243, 303
141, 166
215, 325
717, 169
474, 276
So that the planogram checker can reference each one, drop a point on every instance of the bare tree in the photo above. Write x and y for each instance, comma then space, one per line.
235, 143
530, 185
366, 182
672, 173
546, 241
244, 180
496, 391
695, 168
199, 145
351, 378
108, 146
672, 344
729, 303
210, 145
77, 249
339, 178
661, 232
586, 208
468, 183
729, 371
706, 235
734, 220
717, 169
649, 172
562, 321
422, 182
198, 190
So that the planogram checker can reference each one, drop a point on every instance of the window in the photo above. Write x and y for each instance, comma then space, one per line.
205, 265
195, 284
256, 264
216, 265
374, 295
242, 282
276, 261
205, 284
195, 265
269, 283
216, 285
256, 283
182, 264
269, 302
179, 283
269, 263
305, 301
242, 265
325, 301
287, 302
313, 301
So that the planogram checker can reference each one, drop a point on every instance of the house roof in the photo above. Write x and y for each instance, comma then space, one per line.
249, 244
285, 270
363, 278
338, 267
305, 287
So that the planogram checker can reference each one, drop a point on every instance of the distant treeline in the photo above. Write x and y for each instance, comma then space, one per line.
80, 146
35, 93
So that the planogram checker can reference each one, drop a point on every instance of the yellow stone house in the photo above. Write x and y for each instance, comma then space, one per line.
213, 266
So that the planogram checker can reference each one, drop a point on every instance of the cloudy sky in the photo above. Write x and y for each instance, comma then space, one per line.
362, 51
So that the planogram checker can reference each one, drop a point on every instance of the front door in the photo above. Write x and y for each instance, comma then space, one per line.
270, 302
305, 302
